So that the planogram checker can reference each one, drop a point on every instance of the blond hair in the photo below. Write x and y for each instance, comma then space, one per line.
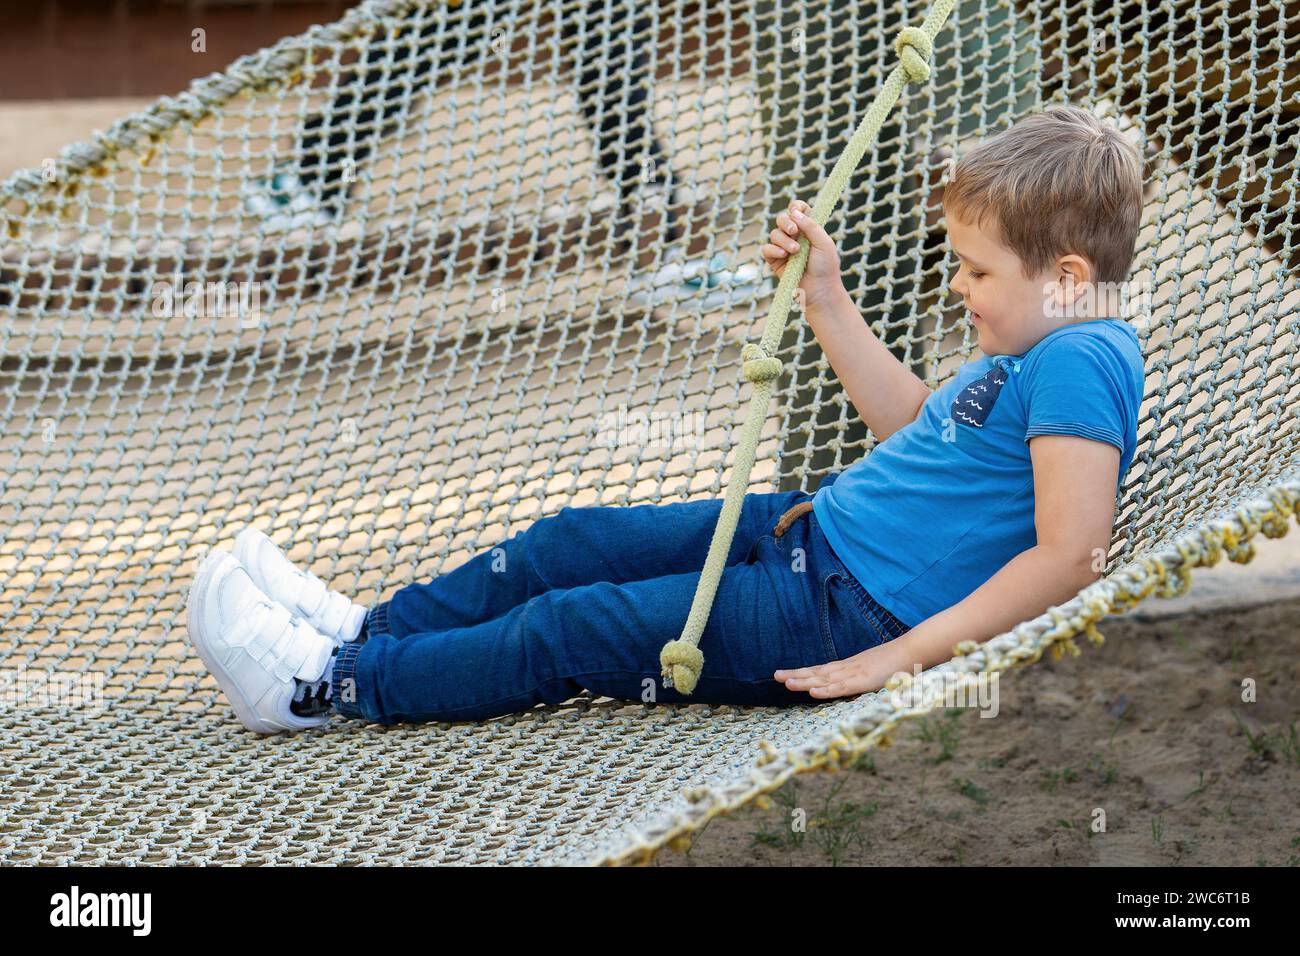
1057, 182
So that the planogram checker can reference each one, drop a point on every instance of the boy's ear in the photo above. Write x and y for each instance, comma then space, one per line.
1073, 270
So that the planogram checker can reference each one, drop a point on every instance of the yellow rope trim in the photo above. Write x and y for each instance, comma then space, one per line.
1166, 574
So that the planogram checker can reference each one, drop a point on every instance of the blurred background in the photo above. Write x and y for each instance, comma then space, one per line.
68, 67
71, 67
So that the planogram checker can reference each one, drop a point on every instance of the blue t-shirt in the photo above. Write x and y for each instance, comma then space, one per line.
941, 505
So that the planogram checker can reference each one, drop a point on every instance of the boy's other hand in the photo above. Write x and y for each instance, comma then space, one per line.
821, 276
860, 674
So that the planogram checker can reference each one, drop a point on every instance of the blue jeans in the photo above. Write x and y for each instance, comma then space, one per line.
587, 598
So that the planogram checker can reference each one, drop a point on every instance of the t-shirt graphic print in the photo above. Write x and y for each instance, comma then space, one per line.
974, 402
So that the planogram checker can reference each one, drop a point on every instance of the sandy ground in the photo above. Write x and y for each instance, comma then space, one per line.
1150, 728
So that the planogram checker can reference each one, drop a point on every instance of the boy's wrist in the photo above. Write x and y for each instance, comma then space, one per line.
827, 301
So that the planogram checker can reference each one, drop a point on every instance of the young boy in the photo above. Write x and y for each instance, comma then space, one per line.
985, 503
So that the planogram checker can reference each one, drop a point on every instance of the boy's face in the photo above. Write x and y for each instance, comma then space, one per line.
1009, 312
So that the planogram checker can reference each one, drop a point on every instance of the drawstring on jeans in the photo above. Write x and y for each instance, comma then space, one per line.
790, 517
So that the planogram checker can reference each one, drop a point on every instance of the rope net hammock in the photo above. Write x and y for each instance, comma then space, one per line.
461, 339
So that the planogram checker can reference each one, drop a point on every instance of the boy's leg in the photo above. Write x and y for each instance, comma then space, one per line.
350, 124
614, 89
576, 547
606, 105
606, 637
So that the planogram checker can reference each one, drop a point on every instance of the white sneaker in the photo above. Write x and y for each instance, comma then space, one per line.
709, 283
304, 594
253, 646
283, 203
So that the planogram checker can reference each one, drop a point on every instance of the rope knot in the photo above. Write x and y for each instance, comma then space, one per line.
913, 49
681, 663
758, 367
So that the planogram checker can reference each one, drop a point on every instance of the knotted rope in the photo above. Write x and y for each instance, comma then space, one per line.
681, 660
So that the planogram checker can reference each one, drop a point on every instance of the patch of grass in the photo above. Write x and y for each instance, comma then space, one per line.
1258, 742
1235, 651
992, 763
1102, 769
1157, 829
968, 789
783, 836
834, 828
942, 731
1049, 780
837, 828
1286, 743
1269, 744
864, 763
1199, 788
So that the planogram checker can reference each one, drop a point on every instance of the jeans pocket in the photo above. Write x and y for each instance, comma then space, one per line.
756, 550
846, 628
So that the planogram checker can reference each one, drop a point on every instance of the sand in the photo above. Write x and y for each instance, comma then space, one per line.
1150, 728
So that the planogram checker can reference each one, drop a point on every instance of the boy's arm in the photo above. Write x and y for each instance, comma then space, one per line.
1074, 517
1074, 512
886, 394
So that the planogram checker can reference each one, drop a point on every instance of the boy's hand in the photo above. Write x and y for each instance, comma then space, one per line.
859, 674
821, 275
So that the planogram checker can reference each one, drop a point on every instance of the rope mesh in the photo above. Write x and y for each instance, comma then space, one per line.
465, 347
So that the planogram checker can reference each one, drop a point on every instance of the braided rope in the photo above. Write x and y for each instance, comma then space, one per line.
681, 660
284, 64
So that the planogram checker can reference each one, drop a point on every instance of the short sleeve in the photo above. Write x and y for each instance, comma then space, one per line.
1077, 387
